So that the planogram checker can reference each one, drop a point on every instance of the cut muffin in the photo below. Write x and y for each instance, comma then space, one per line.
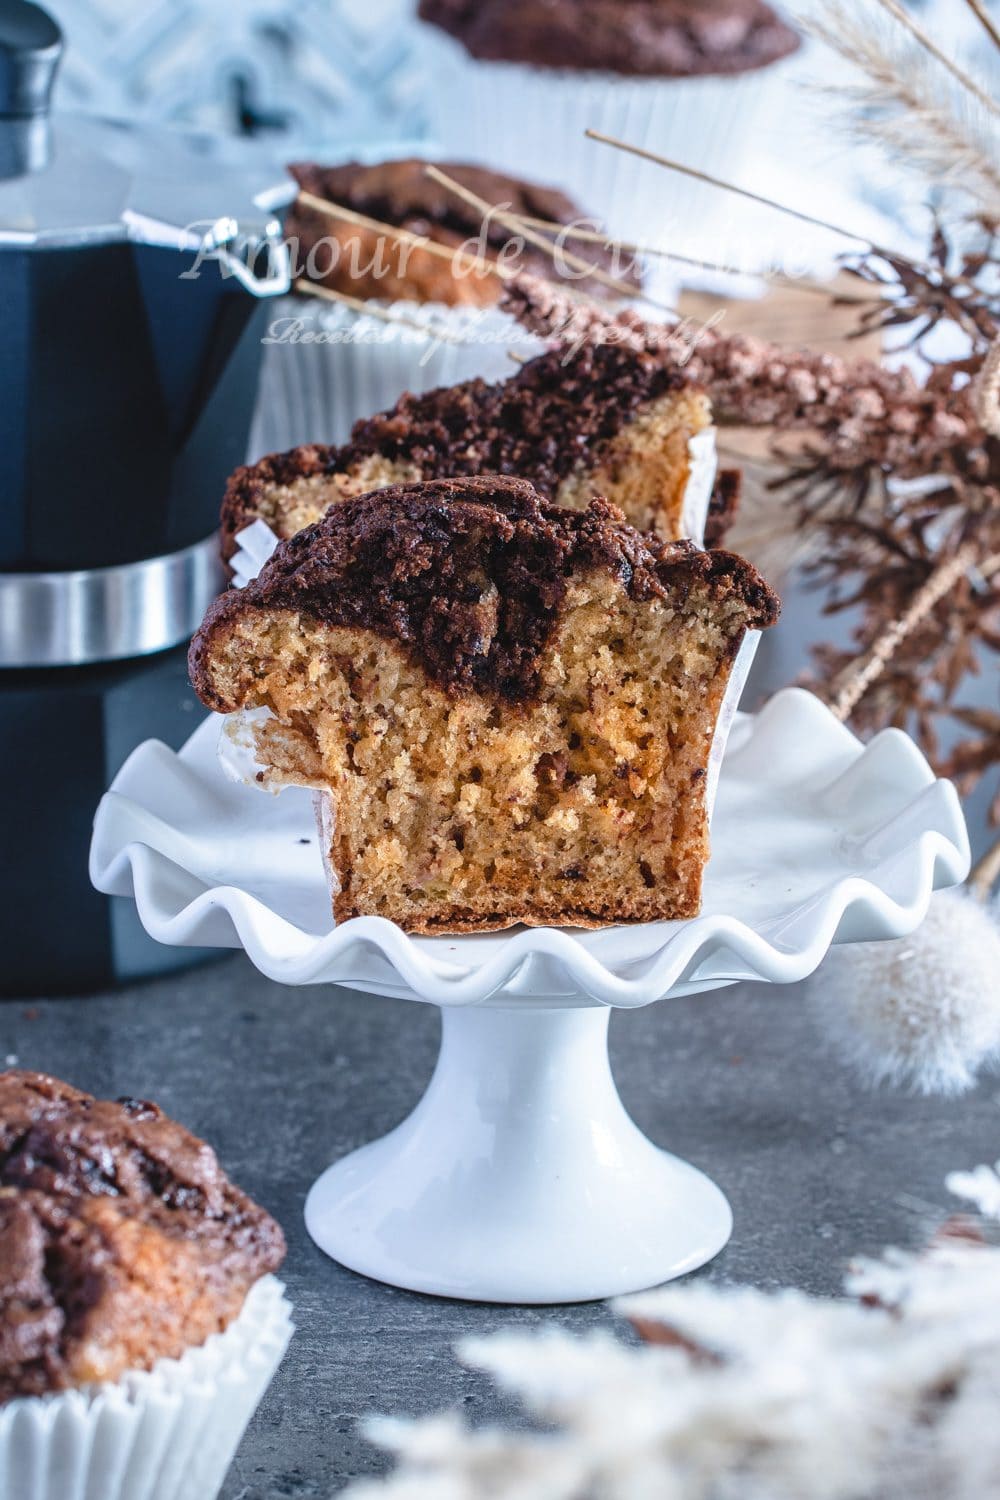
122, 1242
602, 419
507, 708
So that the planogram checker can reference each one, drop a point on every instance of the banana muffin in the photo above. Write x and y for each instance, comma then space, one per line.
647, 38
507, 708
122, 1242
707, 83
602, 419
368, 263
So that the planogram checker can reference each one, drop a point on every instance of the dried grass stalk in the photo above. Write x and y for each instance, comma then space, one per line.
907, 105
862, 675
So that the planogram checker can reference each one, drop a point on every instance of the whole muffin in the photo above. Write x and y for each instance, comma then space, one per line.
130, 1267
658, 38
366, 263
699, 81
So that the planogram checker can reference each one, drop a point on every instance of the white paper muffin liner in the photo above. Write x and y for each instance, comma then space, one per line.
530, 122
326, 366
169, 1433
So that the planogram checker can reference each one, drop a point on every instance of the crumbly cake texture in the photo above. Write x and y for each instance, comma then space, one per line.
121, 1240
603, 420
364, 263
653, 38
507, 708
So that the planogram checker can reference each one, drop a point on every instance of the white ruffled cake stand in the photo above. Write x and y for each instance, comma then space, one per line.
519, 1177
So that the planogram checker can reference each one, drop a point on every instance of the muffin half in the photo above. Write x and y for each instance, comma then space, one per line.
507, 708
602, 419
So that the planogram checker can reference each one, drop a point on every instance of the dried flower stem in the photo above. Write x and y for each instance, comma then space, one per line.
903, 108
866, 672
443, 252
596, 237
727, 187
519, 226
987, 391
600, 237
927, 42
982, 14
948, 139
760, 384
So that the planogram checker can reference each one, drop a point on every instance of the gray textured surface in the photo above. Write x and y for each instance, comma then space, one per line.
282, 1082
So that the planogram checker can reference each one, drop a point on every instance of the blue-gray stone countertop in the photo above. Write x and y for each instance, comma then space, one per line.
282, 1082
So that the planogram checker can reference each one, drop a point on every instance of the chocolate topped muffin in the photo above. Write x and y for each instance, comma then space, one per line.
508, 708
601, 419
122, 1241
641, 38
367, 263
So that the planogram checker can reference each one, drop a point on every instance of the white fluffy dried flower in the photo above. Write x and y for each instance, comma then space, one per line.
749, 1396
923, 1011
980, 1187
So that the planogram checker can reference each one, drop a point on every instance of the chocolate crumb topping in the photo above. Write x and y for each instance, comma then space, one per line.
469, 575
537, 425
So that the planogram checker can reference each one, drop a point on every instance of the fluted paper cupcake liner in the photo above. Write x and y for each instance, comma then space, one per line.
164, 1434
325, 367
530, 122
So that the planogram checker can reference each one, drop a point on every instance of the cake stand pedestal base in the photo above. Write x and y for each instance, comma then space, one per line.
519, 1177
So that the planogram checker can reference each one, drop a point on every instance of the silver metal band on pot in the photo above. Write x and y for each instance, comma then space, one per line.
107, 614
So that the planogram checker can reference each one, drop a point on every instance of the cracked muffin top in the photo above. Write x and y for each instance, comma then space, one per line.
121, 1238
652, 38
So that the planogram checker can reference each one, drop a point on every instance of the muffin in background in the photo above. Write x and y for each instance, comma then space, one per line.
140, 1322
691, 79
655, 38
367, 263
327, 367
599, 419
